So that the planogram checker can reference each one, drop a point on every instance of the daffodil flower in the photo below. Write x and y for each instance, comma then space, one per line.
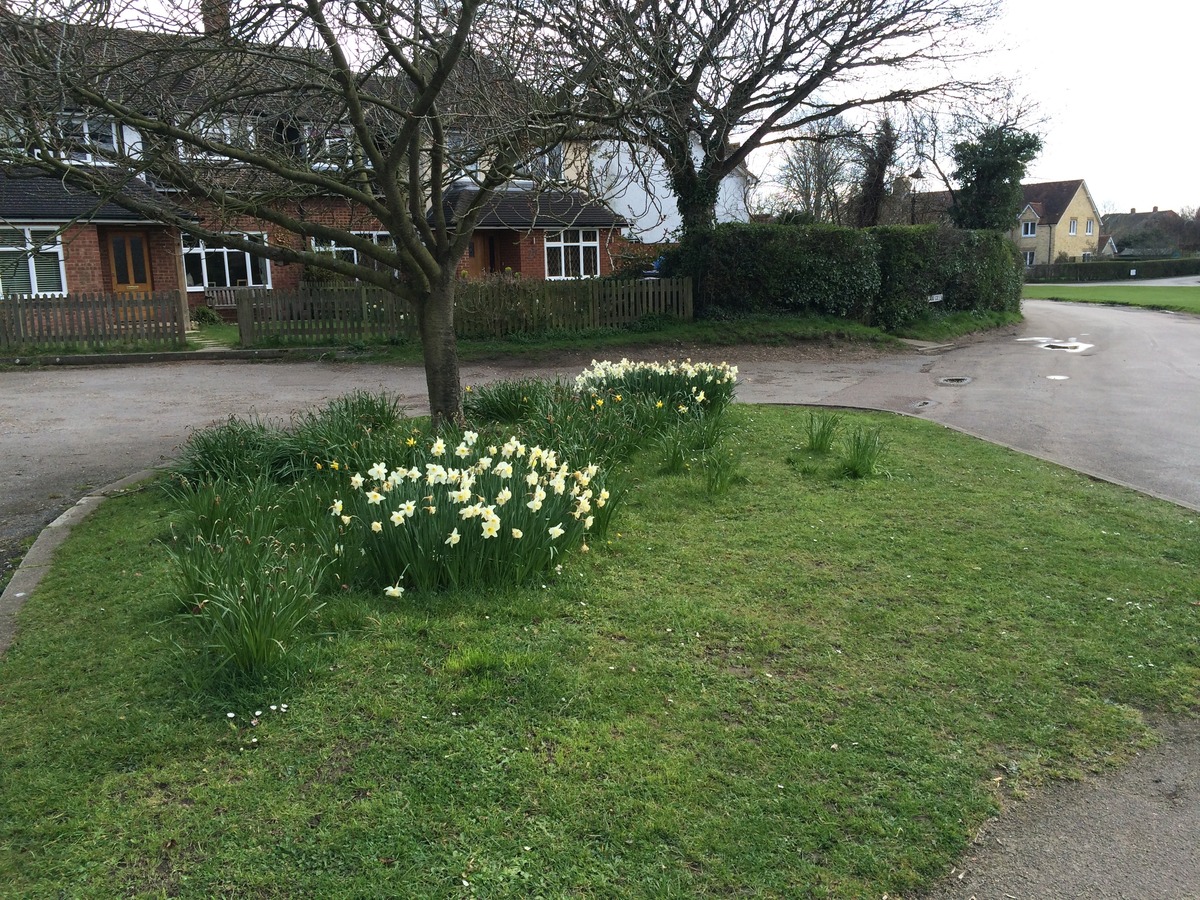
397, 518
345, 520
377, 527
556, 531
454, 538
356, 481
336, 508
378, 471
374, 498
393, 590
503, 497
517, 534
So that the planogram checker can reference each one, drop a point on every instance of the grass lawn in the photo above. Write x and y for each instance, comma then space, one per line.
809, 686
1184, 298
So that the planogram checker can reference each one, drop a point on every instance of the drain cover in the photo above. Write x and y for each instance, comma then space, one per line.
923, 404
954, 380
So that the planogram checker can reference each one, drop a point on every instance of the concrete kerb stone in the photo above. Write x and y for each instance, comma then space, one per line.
40, 556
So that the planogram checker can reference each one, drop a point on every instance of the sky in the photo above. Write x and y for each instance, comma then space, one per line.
1116, 84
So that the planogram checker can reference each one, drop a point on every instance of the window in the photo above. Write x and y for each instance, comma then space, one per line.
31, 261
1090, 227
235, 131
349, 254
574, 253
1074, 227
329, 145
93, 140
1029, 229
219, 267
1087, 257
1029, 258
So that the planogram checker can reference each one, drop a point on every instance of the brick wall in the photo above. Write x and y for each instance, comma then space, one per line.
82, 259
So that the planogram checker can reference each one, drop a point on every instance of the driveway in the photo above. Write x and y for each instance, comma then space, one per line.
1111, 391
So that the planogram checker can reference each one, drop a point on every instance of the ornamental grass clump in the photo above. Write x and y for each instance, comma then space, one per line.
465, 515
708, 386
862, 450
820, 431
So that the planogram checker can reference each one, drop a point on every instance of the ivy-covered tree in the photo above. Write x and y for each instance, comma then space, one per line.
989, 170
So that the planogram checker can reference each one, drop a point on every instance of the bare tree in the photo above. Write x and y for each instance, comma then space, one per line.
819, 171
279, 112
717, 79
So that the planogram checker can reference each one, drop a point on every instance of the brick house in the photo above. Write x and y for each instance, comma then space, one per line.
55, 239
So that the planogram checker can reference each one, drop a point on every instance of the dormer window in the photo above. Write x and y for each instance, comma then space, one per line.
329, 145
1029, 229
91, 140
233, 131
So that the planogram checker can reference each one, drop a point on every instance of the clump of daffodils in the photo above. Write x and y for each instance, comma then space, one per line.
687, 384
460, 514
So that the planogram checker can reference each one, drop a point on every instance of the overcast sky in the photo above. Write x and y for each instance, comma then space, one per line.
1116, 82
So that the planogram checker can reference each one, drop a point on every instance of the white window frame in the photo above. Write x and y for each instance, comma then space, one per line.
231, 130
204, 252
350, 254
1029, 229
1074, 227
48, 241
329, 146
572, 248
1029, 258
1090, 227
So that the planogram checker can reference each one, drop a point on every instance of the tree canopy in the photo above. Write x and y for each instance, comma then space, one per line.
989, 170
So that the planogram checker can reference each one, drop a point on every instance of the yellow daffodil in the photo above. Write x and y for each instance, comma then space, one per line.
377, 527
517, 534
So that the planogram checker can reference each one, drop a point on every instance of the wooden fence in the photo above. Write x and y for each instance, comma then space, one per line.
490, 308
93, 320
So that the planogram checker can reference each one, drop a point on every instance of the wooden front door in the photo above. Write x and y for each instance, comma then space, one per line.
129, 257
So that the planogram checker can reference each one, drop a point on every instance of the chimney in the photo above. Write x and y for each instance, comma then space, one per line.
215, 16
1156, 209
1132, 210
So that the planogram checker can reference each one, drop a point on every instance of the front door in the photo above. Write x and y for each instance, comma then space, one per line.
129, 256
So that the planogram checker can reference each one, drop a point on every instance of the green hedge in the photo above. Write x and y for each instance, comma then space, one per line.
880, 276
773, 268
1114, 270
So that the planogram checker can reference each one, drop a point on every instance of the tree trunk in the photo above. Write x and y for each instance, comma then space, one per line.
439, 346
697, 202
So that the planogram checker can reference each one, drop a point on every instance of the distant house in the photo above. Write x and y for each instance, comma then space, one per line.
1145, 234
1060, 220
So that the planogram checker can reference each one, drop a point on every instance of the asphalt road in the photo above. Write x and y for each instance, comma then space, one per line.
1125, 407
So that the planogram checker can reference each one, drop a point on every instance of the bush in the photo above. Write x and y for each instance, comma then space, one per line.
983, 271
881, 276
912, 266
820, 269
206, 315
1114, 270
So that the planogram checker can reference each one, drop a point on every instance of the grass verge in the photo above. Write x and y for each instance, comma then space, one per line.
806, 686
1182, 298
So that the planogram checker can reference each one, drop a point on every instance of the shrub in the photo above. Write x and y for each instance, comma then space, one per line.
205, 315
912, 266
821, 269
983, 271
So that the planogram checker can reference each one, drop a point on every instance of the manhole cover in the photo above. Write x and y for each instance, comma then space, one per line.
954, 380
923, 404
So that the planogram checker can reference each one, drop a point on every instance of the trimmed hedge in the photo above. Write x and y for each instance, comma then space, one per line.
879, 276
1114, 270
